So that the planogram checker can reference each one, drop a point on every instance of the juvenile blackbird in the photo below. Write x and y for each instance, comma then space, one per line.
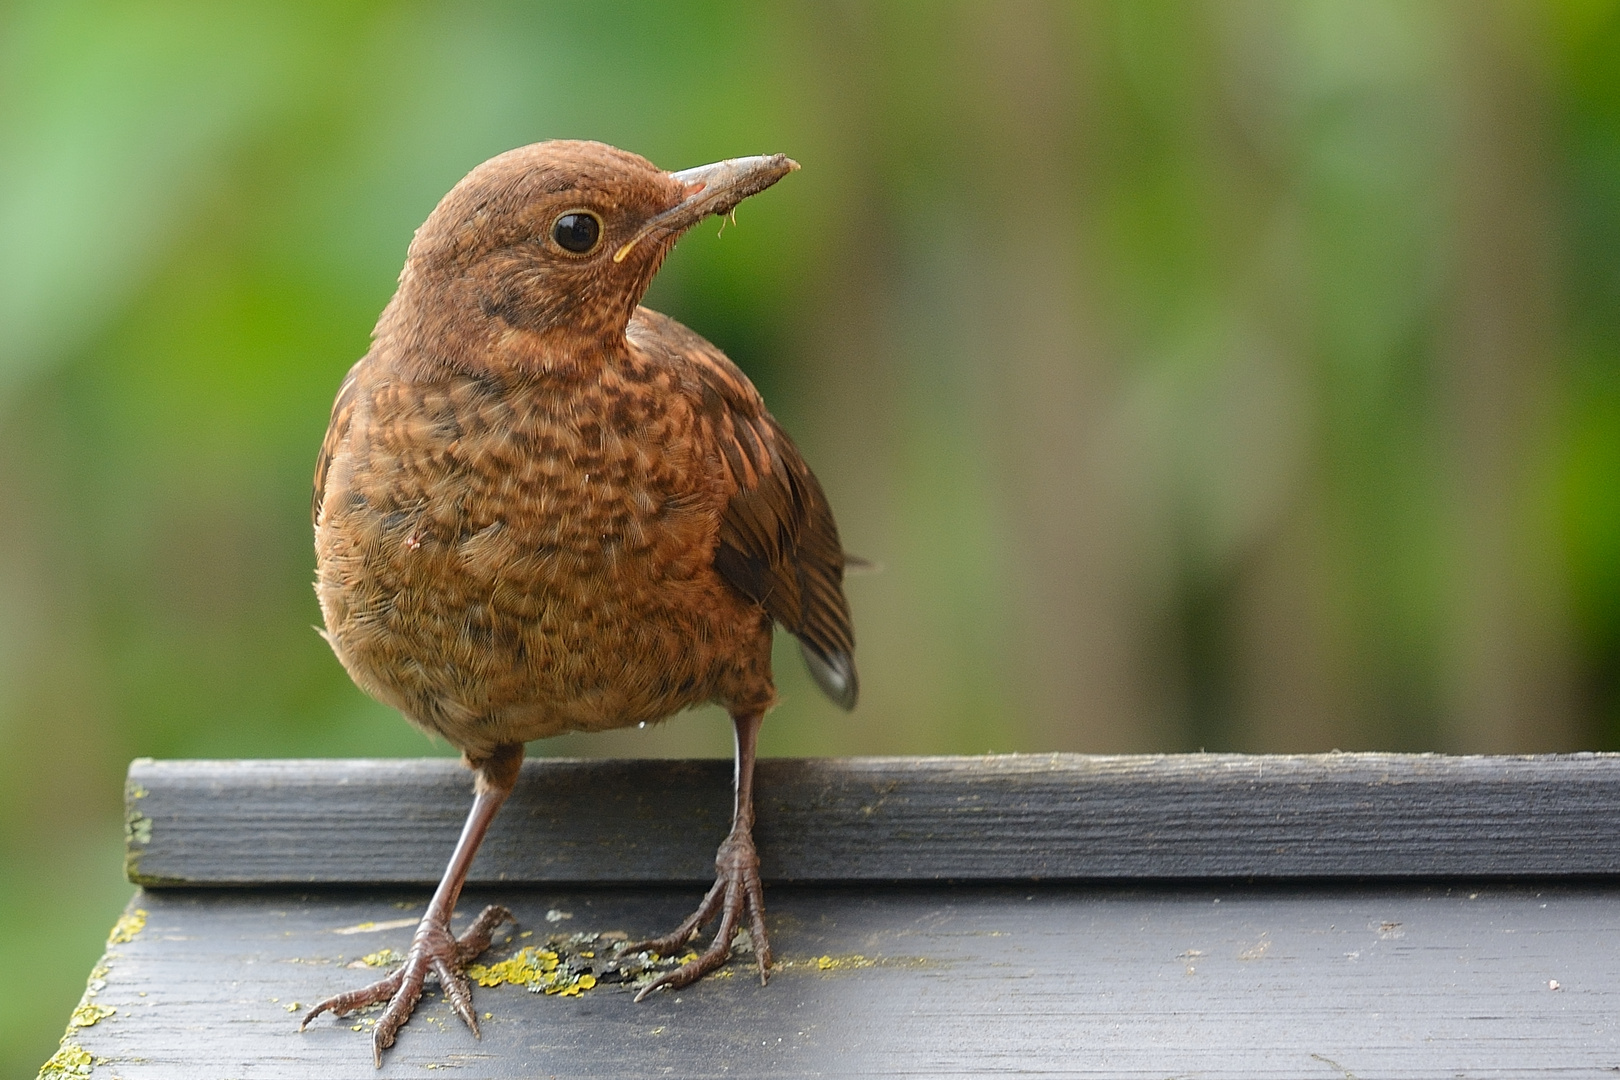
542, 508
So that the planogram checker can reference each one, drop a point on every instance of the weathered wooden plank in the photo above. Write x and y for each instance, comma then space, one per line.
1215, 980
872, 819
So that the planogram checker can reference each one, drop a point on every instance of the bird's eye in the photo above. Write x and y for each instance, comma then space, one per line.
577, 231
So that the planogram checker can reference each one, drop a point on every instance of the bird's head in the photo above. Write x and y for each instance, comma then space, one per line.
564, 237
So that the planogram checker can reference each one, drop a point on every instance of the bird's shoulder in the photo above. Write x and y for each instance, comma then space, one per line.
778, 542
747, 445
704, 373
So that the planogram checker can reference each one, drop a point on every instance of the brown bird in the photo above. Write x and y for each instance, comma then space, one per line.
542, 508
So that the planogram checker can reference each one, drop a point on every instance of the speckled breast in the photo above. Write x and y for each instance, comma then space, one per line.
506, 561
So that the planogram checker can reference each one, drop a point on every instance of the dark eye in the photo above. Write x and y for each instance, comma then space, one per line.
578, 232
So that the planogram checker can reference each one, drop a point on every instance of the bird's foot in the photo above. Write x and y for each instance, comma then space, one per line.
737, 892
434, 950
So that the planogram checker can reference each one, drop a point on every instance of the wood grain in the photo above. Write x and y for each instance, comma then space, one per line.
887, 819
1398, 980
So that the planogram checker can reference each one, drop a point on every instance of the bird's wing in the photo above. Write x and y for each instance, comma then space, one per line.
778, 542
336, 429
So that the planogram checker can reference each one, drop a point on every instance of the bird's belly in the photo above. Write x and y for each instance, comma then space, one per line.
557, 609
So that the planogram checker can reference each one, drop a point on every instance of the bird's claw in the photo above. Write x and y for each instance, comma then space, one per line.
737, 892
434, 950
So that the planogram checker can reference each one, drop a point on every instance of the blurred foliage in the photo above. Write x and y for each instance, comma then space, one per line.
1241, 375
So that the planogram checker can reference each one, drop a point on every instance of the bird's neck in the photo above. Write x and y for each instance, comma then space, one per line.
457, 336
557, 354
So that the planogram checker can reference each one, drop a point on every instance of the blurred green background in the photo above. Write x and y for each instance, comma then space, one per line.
1236, 375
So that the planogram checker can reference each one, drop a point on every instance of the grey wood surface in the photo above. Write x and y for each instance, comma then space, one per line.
879, 819
1391, 980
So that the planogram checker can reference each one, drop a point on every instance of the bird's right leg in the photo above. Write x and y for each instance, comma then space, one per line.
435, 949
737, 893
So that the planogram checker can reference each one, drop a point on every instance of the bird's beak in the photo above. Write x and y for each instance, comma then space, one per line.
713, 189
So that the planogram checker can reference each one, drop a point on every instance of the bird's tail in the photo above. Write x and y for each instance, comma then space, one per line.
834, 672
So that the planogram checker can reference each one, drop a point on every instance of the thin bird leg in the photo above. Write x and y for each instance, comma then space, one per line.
435, 950
737, 890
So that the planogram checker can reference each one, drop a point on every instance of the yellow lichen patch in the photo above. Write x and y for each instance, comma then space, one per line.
127, 927
540, 970
568, 965
843, 963
529, 966
575, 988
89, 1014
70, 1059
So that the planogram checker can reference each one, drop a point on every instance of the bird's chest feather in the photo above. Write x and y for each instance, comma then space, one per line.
469, 491
504, 564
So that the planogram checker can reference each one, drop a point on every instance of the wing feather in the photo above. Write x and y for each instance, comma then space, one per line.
337, 429
779, 543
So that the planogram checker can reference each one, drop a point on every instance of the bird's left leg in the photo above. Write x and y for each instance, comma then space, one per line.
435, 949
737, 890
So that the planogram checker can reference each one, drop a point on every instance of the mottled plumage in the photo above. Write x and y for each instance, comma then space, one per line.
541, 508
